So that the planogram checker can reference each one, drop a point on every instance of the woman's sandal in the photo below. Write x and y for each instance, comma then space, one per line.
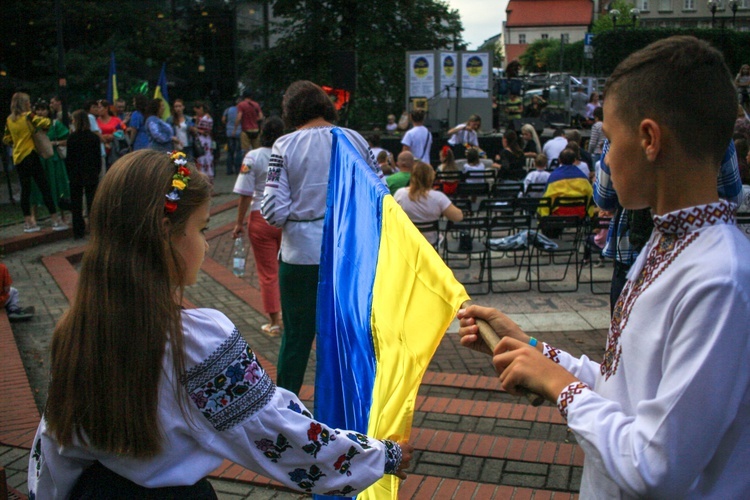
271, 330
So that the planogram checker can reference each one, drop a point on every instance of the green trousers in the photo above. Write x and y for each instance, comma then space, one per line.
298, 285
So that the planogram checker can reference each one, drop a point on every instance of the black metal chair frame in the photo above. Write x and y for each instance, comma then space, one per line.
476, 226
509, 224
428, 227
566, 247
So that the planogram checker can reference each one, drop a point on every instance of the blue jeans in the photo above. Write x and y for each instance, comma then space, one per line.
234, 155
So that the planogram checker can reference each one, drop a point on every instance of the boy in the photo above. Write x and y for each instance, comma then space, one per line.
537, 176
9, 298
665, 414
418, 140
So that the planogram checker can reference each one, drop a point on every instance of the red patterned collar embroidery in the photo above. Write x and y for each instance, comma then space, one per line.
682, 222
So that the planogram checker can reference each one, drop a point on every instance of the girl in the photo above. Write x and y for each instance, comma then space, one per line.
264, 238
531, 144
204, 124
512, 159
183, 127
145, 395
424, 204
54, 167
19, 127
83, 163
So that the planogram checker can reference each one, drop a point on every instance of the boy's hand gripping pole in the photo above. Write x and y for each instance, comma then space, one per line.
491, 339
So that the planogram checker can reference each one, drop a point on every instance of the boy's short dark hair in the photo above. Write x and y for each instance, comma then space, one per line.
567, 156
417, 115
472, 155
599, 113
540, 160
684, 84
558, 132
304, 101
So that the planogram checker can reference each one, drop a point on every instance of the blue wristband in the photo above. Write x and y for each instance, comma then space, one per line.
533, 342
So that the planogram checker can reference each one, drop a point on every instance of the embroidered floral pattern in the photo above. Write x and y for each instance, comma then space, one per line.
360, 439
36, 456
273, 450
552, 353
567, 396
298, 409
230, 385
392, 456
344, 492
676, 231
344, 462
319, 437
306, 479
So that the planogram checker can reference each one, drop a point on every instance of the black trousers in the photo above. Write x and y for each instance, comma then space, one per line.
76, 200
31, 168
100, 483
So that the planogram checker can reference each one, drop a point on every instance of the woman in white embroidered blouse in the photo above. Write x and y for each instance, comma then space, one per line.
295, 201
147, 398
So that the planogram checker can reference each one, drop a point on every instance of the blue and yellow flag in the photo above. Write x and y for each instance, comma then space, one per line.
161, 92
112, 94
385, 300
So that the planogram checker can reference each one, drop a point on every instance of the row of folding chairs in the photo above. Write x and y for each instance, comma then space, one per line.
497, 218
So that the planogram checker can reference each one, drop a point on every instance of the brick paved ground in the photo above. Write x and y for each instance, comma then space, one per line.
472, 439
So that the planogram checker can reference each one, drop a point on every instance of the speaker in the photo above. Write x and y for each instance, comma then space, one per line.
344, 71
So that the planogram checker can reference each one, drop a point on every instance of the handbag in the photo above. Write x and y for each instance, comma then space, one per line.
42, 144
465, 241
198, 149
62, 151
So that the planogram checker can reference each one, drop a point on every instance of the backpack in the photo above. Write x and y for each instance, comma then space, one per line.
119, 147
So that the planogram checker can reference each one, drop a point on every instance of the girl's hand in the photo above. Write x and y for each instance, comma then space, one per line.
407, 451
522, 366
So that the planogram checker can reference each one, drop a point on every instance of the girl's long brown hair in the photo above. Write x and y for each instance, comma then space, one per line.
421, 180
108, 349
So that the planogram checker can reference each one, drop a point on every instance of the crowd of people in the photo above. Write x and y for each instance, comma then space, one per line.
656, 418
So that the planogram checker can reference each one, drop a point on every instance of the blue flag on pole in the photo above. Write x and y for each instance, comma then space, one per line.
112, 94
161, 92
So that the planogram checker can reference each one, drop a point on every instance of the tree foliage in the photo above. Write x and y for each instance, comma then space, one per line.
612, 46
624, 21
379, 32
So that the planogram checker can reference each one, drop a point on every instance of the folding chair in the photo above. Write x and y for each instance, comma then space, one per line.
503, 225
600, 224
506, 189
455, 245
743, 222
568, 231
487, 176
491, 206
570, 205
431, 231
448, 181
535, 189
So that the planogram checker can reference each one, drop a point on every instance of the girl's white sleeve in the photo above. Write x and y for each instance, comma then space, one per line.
244, 417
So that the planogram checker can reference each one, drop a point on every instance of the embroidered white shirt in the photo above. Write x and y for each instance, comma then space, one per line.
668, 413
238, 414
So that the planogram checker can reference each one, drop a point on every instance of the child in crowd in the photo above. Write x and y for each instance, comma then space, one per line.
9, 298
537, 176
385, 161
664, 415
473, 164
147, 398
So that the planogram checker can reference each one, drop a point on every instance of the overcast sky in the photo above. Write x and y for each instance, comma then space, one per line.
482, 19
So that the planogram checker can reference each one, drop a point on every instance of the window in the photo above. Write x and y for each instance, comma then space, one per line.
743, 4
665, 5
545, 36
720, 4
566, 38
522, 38
688, 5
644, 6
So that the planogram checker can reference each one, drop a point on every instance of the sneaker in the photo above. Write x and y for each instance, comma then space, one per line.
19, 315
599, 264
30, 228
59, 225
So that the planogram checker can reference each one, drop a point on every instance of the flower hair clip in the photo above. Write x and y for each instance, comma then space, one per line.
179, 181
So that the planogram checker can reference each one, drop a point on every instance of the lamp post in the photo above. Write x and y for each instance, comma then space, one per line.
634, 15
614, 13
712, 6
733, 5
